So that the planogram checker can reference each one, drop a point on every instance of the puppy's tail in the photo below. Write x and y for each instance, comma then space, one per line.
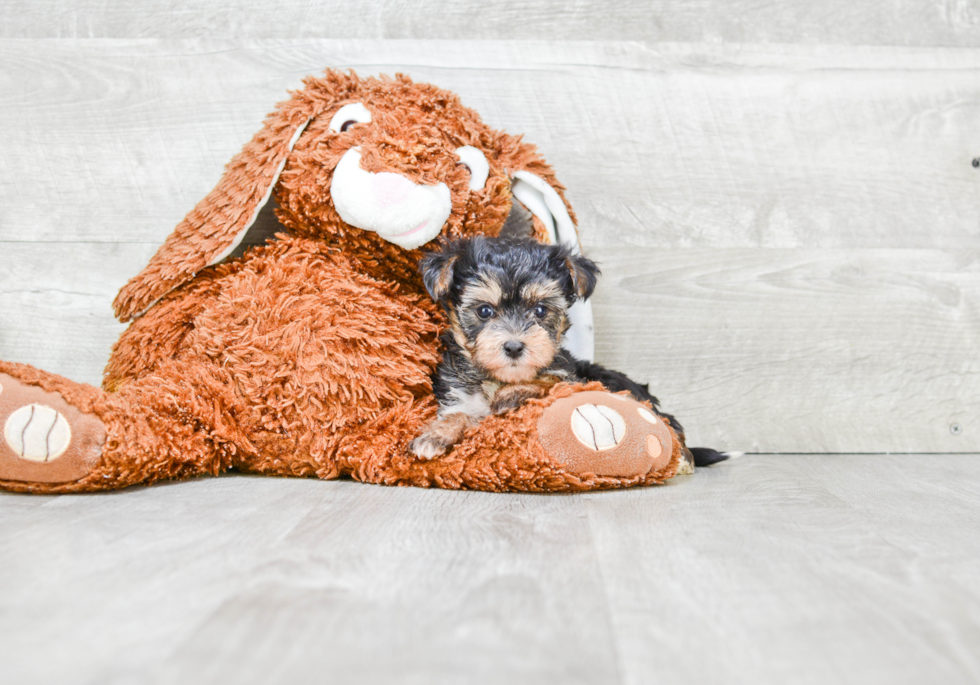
705, 456
616, 381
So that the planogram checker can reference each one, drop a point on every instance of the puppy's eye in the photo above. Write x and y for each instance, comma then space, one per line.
484, 311
348, 115
540, 311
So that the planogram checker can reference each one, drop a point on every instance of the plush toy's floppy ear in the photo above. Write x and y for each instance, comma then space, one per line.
541, 198
218, 223
544, 202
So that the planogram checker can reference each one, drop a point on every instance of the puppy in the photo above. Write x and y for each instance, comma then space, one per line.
507, 302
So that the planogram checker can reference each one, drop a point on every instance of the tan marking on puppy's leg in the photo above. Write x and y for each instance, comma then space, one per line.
440, 435
686, 467
511, 397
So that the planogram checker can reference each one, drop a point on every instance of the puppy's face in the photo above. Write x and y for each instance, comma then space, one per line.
511, 329
508, 301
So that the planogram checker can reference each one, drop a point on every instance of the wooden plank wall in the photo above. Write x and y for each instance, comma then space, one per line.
945, 23
782, 198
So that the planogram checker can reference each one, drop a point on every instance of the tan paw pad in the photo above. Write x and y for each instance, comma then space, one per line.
37, 432
608, 437
43, 438
654, 448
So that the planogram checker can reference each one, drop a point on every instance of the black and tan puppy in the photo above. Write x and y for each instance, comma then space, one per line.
507, 302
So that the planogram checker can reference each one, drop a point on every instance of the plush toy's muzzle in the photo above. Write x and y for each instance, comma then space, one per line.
389, 204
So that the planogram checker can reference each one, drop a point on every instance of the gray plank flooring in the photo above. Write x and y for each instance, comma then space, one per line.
768, 569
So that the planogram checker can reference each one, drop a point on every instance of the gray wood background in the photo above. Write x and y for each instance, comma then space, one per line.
782, 197
789, 232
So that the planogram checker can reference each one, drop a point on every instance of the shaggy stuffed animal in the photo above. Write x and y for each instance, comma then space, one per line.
312, 355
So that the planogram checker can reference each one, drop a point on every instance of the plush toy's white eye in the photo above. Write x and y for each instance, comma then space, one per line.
476, 162
348, 115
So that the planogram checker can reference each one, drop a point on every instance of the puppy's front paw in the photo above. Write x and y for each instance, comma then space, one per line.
439, 436
427, 447
505, 404
512, 397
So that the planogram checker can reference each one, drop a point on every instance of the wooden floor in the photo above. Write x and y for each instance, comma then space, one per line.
767, 569
783, 199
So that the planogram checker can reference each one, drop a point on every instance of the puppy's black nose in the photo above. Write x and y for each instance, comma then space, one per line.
513, 348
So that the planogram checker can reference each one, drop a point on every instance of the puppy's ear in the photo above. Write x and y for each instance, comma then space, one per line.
584, 274
437, 272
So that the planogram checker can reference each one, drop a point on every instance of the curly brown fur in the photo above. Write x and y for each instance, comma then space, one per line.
415, 130
312, 355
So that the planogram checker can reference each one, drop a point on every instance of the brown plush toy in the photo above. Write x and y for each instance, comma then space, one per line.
311, 355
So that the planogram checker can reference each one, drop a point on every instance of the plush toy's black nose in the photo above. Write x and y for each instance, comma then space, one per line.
513, 348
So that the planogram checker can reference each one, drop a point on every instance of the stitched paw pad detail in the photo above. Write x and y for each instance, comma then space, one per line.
37, 432
43, 438
606, 435
598, 427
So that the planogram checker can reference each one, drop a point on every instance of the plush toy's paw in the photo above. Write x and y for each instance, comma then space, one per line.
606, 435
43, 439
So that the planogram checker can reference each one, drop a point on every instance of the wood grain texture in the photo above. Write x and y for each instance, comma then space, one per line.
834, 569
768, 569
668, 145
877, 22
55, 304
818, 350
257, 580
788, 233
